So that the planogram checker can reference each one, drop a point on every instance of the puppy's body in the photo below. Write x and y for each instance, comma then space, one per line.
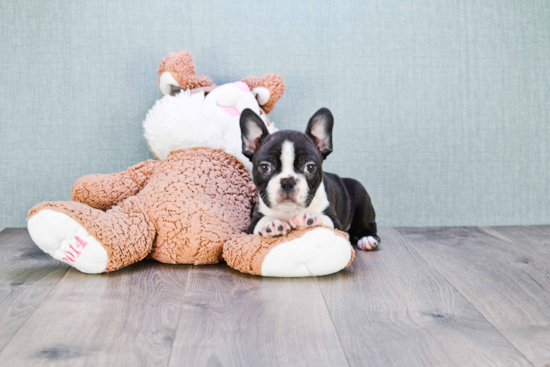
294, 190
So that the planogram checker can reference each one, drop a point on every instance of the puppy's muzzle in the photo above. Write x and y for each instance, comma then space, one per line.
287, 184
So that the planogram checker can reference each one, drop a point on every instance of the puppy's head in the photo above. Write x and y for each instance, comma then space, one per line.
287, 164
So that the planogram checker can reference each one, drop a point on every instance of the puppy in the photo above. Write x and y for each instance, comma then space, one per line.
293, 189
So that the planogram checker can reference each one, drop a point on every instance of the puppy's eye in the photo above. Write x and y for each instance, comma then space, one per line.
310, 168
264, 167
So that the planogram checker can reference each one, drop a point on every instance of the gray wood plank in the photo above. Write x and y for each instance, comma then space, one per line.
506, 282
233, 319
125, 318
533, 238
391, 308
27, 275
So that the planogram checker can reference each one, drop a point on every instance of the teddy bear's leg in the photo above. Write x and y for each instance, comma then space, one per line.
89, 239
310, 252
105, 190
66, 240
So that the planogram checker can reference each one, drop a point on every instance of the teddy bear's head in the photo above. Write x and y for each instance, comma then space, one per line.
196, 113
177, 71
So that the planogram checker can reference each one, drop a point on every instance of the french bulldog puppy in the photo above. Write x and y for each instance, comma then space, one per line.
294, 192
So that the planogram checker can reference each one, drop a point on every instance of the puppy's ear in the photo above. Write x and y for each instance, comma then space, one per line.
320, 129
253, 132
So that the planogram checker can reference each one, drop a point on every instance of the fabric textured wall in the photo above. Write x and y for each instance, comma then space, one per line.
441, 108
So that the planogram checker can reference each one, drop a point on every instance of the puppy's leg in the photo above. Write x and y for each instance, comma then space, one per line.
363, 227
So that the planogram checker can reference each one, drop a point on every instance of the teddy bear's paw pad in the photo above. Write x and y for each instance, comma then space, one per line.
66, 240
318, 252
368, 243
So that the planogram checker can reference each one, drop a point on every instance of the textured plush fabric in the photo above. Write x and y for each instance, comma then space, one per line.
180, 210
180, 65
246, 253
441, 107
273, 82
104, 191
125, 231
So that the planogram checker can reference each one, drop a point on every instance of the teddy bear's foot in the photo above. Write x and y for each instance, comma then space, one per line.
66, 240
302, 253
318, 252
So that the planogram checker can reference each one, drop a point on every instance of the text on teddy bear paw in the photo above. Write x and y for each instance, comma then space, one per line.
73, 254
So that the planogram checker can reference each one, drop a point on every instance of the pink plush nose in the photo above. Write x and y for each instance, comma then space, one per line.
242, 86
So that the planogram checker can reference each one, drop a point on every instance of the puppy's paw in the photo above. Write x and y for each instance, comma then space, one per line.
306, 220
273, 228
368, 243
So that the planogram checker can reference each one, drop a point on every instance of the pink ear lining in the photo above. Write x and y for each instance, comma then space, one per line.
232, 111
242, 86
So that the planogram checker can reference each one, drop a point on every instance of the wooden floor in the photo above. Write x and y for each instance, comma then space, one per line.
429, 296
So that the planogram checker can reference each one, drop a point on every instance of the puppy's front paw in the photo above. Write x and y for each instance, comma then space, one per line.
306, 220
368, 243
273, 228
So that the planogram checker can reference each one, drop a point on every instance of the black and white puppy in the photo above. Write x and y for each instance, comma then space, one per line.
294, 191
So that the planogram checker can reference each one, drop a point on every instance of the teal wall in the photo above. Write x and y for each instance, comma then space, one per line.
441, 108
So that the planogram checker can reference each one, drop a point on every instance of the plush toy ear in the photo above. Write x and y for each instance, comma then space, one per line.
273, 83
253, 132
168, 85
261, 94
177, 71
319, 129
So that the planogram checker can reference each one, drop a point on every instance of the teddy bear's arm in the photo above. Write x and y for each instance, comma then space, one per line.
102, 191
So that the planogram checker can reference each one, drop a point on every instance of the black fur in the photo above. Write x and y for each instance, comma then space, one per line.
351, 205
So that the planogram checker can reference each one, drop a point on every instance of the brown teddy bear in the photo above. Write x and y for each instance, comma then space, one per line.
191, 205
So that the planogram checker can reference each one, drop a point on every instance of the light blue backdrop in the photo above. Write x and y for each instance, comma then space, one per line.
442, 108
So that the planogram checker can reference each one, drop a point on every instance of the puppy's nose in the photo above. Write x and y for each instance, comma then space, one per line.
287, 184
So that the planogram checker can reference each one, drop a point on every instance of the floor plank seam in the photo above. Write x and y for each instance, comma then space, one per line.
332, 321
179, 318
36, 308
407, 243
